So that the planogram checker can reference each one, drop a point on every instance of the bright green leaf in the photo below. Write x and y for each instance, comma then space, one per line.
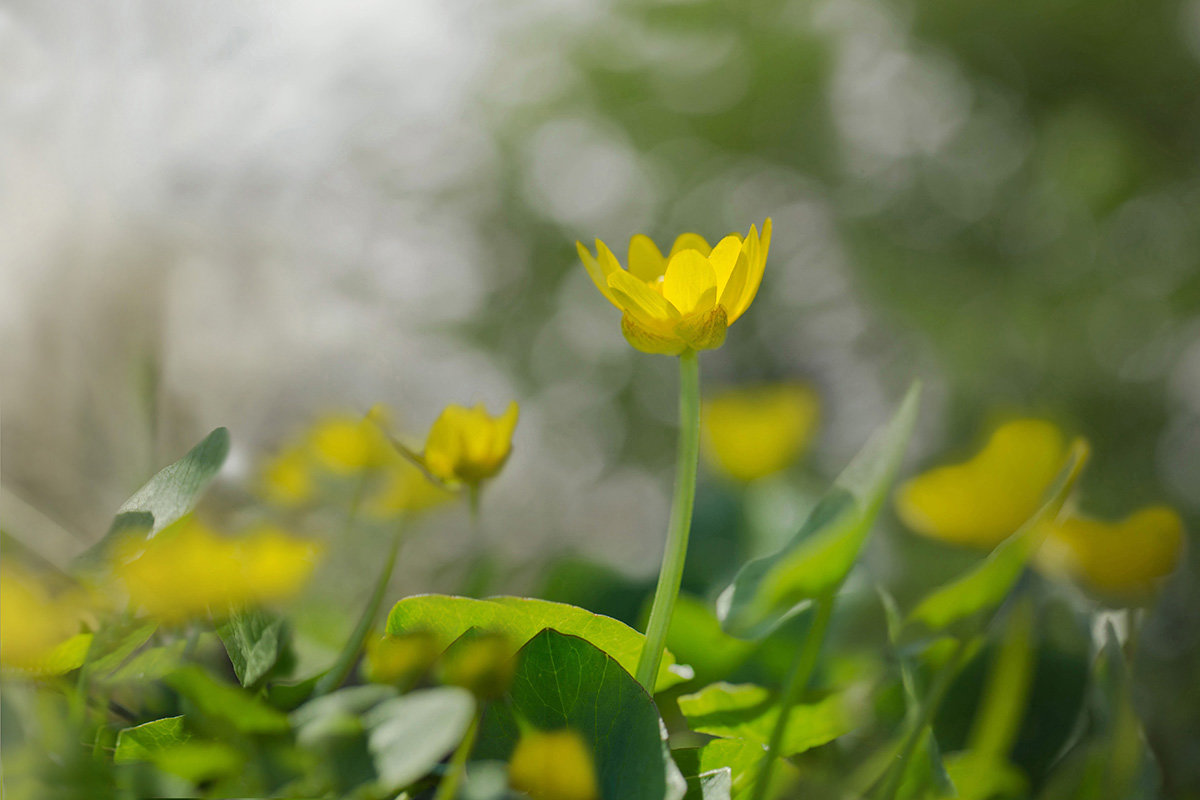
218, 700
520, 619
768, 590
113, 644
565, 681
696, 639
409, 735
254, 640
144, 742
741, 757
715, 784
749, 712
199, 761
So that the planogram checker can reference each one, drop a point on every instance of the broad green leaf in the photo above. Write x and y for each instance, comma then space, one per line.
168, 496
768, 590
337, 714
254, 640
520, 619
409, 735
217, 700
144, 742
983, 588
696, 639
749, 712
741, 757
565, 681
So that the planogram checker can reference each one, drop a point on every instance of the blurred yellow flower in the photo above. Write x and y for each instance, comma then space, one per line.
754, 432
468, 445
986, 499
687, 299
1121, 560
287, 479
404, 488
346, 445
188, 570
553, 765
399, 660
39, 630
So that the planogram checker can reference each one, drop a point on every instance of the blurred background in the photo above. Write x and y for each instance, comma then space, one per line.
248, 214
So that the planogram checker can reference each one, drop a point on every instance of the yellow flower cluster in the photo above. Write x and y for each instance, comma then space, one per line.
40, 629
686, 300
189, 570
984, 500
754, 432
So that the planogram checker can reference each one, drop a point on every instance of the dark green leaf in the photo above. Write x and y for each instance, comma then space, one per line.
768, 590
254, 640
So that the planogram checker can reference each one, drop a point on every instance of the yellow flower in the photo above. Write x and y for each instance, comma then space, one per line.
1124, 560
39, 630
686, 300
754, 432
468, 445
553, 765
346, 445
189, 570
287, 479
986, 499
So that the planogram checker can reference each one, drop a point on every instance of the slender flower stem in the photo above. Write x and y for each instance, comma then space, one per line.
345, 661
448, 788
671, 575
941, 683
801, 674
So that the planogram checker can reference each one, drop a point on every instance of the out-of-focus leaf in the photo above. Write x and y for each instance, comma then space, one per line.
337, 714
217, 700
409, 735
144, 742
768, 590
520, 619
153, 663
254, 640
715, 784
64, 657
565, 681
696, 639
749, 712
981, 775
199, 761
741, 757
115, 643
999, 718
983, 588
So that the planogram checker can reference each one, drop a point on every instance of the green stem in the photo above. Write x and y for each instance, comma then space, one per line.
448, 788
671, 575
802, 670
941, 683
345, 661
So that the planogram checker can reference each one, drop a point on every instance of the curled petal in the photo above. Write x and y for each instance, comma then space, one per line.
650, 339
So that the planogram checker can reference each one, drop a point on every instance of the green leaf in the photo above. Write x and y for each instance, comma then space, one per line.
144, 742
520, 619
696, 638
221, 701
564, 681
115, 643
409, 735
715, 784
742, 758
749, 712
337, 714
974, 595
152, 664
66, 656
768, 590
254, 641
199, 761
168, 496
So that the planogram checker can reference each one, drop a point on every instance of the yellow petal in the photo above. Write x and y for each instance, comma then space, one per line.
1125, 559
754, 432
724, 257
757, 259
469, 445
983, 501
596, 272
651, 338
645, 260
704, 330
690, 241
735, 286
689, 276
638, 299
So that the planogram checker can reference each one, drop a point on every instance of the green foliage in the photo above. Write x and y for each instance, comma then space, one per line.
408, 736
254, 641
146, 741
750, 712
815, 562
224, 703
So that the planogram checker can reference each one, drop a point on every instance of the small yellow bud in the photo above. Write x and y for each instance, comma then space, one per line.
480, 662
467, 445
759, 431
553, 765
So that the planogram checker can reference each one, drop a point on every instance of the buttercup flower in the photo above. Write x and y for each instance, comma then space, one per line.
467, 445
983, 501
686, 300
553, 765
39, 630
1123, 560
754, 432
188, 570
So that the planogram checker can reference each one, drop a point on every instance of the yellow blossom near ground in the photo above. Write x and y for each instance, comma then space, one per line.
39, 629
468, 445
687, 299
347, 445
553, 765
984, 500
753, 432
189, 570
1122, 560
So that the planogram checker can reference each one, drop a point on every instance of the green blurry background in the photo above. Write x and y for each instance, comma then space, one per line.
243, 214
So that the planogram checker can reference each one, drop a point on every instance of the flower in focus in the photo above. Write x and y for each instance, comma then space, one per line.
1123, 560
981, 502
467, 445
755, 432
687, 299
188, 570
39, 629
553, 765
